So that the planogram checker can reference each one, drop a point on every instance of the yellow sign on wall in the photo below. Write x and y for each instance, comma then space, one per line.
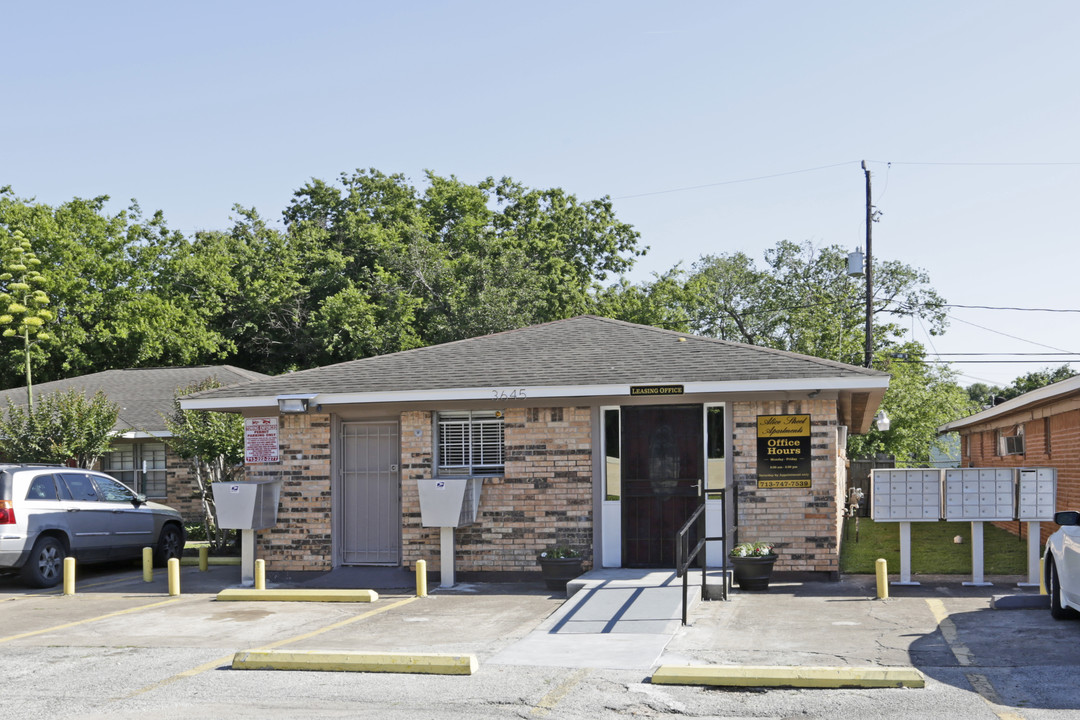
783, 445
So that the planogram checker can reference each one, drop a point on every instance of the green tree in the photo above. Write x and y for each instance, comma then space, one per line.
213, 444
62, 427
23, 311
112, 284
921, 397
660, 302
983, 395
453, 261
802, 300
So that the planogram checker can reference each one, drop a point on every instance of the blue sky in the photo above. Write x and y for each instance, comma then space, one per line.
965, 111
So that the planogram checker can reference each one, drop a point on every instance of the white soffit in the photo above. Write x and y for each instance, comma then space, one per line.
525, 392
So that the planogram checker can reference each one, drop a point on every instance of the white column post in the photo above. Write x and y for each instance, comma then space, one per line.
446, 557
977, 556
905, 556
1034, 548
247, 557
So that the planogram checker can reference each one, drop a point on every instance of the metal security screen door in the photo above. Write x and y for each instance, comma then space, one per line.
662, 463
371, 494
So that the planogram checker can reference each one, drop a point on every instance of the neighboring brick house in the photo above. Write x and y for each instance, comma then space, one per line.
140, 456
1040, 428
594, 432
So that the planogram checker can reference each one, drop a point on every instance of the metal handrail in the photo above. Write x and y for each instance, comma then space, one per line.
684, 556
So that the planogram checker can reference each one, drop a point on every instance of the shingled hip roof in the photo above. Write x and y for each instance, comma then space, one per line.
144, 395
580, 356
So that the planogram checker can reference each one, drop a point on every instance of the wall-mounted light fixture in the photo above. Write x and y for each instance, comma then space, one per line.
882, 421
293, 403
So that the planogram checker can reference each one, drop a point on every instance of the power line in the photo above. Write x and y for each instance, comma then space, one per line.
1014, 337
889, 163
734, 182
981, 164
994, 307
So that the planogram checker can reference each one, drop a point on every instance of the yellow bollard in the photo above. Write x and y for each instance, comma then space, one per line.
69, 576
882, 569
174, 577
204, 558
1042, 578
421, 578
260, 574
148, 564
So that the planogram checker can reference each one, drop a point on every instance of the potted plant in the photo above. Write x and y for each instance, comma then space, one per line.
753, 564
559, 564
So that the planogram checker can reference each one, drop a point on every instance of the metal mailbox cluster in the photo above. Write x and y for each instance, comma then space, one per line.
1037, 491
906, 495
963, 494
980, 494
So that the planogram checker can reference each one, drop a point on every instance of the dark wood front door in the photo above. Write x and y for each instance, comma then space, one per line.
662, 473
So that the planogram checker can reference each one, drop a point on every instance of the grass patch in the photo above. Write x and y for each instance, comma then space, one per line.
933, 551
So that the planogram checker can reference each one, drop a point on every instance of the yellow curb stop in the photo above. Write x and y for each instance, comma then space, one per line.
192, 561
788, 676
430, 664
294, 595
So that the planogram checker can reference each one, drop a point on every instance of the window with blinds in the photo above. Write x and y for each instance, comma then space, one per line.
470, 443
140, 466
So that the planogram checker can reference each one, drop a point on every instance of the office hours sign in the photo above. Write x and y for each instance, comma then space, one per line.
261, 440
783, 451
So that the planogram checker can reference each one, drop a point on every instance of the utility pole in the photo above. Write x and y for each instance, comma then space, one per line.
869, 274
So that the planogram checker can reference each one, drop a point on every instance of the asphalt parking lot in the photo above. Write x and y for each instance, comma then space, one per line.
123, 648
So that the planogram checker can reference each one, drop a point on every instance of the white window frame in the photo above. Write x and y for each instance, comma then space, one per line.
470, 443
134, 463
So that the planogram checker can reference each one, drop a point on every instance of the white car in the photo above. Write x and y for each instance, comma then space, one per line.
49, 512
1061, 571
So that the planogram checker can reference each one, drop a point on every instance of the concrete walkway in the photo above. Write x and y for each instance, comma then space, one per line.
619, 618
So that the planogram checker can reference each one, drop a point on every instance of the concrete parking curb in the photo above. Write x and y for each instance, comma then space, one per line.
297, 595
429, 664
788, 676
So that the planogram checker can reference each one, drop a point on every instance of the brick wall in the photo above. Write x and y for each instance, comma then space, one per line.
979, 449
803, 523
543, 498
301, 540
181, 488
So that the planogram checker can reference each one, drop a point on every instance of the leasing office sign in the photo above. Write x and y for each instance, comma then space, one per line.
783, 451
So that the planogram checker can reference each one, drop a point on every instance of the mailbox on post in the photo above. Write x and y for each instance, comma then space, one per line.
247, 506
448, 503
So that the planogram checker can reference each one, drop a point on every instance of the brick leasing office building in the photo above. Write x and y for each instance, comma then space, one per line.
591, 432
140, 456
1040, 428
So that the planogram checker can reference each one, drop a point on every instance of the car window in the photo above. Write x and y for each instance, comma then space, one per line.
43, 487
112, 491
81, 486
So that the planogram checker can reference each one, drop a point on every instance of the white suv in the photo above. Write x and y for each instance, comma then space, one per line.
1062, 566
49, 512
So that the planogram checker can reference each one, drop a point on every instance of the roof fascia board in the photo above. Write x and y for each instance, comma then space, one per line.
868, 383
228, 403
1039, 395
139, 434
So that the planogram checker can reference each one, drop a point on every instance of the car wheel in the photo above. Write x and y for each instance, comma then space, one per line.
45, 566
170, 545
1057, 609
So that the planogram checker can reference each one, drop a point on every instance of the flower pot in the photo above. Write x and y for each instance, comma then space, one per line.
753, 573
559, 571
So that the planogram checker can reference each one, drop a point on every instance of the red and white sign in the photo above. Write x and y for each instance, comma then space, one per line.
261, 440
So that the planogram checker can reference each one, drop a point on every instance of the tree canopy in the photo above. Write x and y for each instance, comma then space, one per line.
984, 395
372, 263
